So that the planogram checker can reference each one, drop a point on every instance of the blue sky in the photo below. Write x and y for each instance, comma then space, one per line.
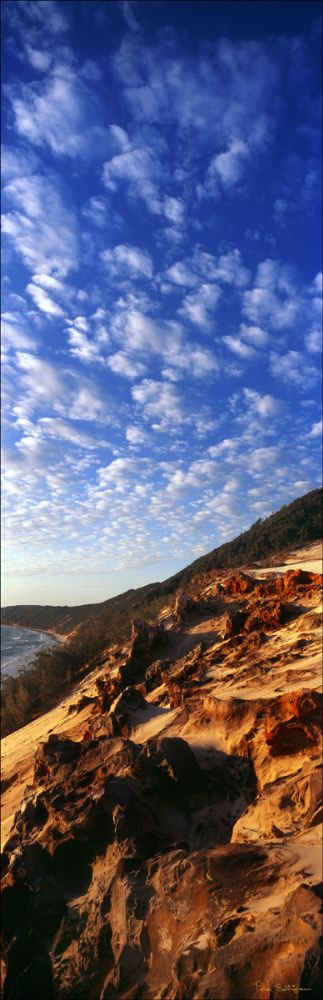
162, 284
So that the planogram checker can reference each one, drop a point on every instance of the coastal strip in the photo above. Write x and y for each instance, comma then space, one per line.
52, 635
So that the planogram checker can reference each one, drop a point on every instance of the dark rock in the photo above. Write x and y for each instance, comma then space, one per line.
234, 623
82, 703
154, 674
57, 751
6, 783
184, 606
180, 758
34, 813
288, 737
146, 641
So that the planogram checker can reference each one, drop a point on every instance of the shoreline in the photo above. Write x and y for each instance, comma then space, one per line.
53, 635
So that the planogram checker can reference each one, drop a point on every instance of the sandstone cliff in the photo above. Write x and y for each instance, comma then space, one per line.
161, 825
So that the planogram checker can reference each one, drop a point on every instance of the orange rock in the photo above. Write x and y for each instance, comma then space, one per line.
239, 583
273, 614
300, 715
288, 737
303, 705
293, 579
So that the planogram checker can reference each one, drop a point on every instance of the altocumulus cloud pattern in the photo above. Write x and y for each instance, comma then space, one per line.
162, 297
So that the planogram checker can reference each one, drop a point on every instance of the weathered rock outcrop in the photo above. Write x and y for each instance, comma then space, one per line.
184, 607
299, 726
145, 642
234, 623
166, 846
155, 673
239, 583
130, 701
270, 614
294, 580
185, 677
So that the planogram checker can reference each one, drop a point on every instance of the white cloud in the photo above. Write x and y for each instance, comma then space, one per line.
137, 332
159, 400
231, 270
43, 382
262, 458
226, 445
80, 322
238, 347
38, 59
96, 210
137, 169
174, 210
128, 260
65, 392
43, 301
318, 283
120, 137
209, 96
52, 116
135, 435
313, 341
292, 367
191, 491
87, 403
197, 306
44, 13
57, 428
82, 347
199, 473
18, 162
274, 299
58, 111
317, 429
47, 281
264, 406
118, 473
123, 365
180, 274
226, 268
15, 333
230, 164
42, 229
171, 374
254, 335
185, 356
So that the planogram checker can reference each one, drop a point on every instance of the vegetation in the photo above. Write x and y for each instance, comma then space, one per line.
52, 672
64, 619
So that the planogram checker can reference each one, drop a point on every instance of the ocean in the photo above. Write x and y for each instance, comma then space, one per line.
18, 647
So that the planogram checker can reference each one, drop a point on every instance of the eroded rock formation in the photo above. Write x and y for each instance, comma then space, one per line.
166, 846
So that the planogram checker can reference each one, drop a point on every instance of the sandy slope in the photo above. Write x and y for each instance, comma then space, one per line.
242, 857
310, 559
18, 749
